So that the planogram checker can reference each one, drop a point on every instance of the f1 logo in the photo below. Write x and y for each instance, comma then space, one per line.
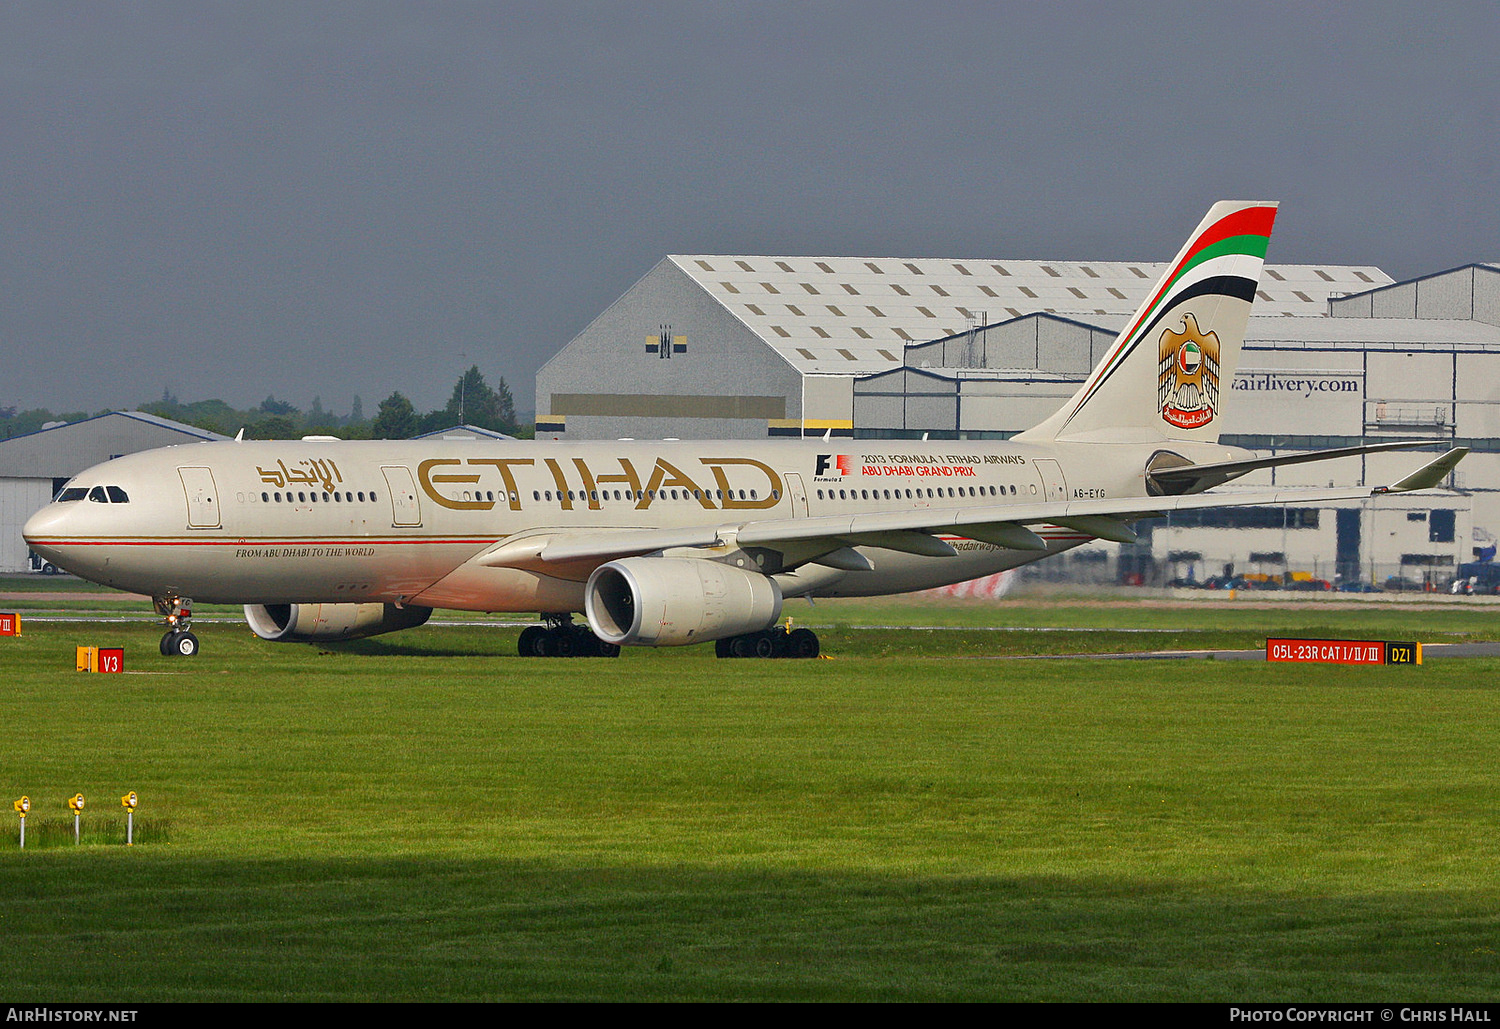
839, 463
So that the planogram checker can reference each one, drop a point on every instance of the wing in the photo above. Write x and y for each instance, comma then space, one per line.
918, 531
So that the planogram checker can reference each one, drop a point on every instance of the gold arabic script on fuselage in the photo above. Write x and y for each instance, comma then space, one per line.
307, 472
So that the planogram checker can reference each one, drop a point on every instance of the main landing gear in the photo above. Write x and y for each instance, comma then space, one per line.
777, 641
562, 638
177, 613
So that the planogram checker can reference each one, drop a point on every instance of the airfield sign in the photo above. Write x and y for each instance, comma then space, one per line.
1344, 652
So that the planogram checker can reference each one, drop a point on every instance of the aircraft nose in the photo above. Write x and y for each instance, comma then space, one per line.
42, 530
42, 523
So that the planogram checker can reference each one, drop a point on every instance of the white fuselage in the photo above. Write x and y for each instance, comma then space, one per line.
409, 522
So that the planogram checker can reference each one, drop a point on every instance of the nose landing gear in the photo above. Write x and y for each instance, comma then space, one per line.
177, 613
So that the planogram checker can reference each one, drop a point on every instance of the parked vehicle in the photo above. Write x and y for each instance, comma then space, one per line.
1304, 581
1401, 584
1232, 582
1477, 577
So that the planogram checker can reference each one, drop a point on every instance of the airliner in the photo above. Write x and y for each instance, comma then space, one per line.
681, 542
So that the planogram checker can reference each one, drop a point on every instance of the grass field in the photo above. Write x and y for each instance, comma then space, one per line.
425, 817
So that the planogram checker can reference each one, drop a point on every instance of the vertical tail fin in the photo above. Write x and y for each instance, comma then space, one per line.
1162, 376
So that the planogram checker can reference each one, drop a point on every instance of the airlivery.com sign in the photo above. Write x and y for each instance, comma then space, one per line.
1304, 385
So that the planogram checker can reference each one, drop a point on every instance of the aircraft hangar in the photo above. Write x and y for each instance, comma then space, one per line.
713, 346
707, 347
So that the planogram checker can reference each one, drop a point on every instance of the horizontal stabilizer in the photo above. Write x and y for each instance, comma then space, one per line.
1429, 475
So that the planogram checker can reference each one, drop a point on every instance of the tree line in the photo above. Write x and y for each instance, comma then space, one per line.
474, 402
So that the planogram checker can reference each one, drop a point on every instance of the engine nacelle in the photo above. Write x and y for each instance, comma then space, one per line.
306, 623
669, 601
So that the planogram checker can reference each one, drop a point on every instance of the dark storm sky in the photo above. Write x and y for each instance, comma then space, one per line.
326, 199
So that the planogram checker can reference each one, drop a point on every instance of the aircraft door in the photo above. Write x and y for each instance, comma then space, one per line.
1053, 483
797, 493
202, 497
405, 511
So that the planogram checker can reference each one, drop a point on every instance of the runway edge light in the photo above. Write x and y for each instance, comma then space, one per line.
128, 802
22, 806
76, 803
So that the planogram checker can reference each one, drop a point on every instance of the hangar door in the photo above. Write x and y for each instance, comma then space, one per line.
202, 497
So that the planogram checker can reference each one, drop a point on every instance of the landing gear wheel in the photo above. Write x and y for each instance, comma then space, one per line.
774, 642
179, 644
177, 613
802, 643
533, 641
560, 637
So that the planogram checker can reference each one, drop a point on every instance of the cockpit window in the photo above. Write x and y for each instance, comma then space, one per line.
98, 494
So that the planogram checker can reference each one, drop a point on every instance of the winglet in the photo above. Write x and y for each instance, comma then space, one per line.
1430, 474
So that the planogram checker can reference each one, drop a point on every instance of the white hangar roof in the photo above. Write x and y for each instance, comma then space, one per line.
1374, 334
853, 315
67, 449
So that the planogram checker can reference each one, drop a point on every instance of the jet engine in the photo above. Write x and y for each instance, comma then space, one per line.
669, 602
306, 623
